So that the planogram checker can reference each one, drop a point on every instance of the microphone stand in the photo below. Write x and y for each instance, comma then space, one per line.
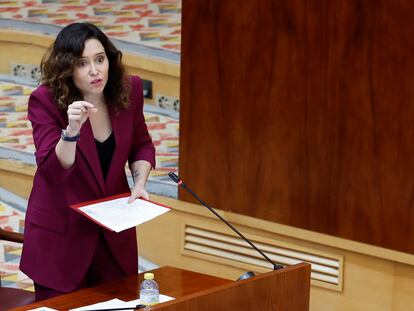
249, 274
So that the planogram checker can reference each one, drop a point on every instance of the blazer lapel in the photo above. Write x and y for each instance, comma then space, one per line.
117, 162
87, 147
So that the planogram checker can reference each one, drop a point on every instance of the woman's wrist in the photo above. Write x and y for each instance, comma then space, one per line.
71, 132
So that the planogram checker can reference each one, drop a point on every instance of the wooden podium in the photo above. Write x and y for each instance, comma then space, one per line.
283, 290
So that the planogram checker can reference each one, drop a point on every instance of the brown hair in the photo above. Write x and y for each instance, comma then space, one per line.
58, 63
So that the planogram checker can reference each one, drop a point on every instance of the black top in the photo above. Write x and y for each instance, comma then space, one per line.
105, 152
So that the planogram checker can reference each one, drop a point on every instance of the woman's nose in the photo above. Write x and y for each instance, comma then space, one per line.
93, 70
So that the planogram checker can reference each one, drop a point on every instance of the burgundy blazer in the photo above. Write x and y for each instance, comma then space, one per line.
59, 243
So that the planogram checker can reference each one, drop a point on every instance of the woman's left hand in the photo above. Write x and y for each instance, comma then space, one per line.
138, 191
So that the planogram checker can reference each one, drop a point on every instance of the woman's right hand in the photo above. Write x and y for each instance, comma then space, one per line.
78, 112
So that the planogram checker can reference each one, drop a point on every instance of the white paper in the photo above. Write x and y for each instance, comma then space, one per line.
163, 298
117, 303
43, 309
118, 215
109, 304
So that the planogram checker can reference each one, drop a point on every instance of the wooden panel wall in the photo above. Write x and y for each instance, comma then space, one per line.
302, 113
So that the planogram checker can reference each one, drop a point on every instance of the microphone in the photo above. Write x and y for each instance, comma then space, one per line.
249, 274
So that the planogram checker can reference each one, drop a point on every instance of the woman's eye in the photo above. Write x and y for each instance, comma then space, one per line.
100, 59
81, 63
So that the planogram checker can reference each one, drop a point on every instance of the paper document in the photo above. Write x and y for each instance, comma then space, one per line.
109, 304
163, 298
115, 214
117, 303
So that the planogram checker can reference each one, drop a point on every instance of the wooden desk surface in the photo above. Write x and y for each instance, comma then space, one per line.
173, 282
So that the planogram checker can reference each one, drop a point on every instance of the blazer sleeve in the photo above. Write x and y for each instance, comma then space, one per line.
142, 146
47, 123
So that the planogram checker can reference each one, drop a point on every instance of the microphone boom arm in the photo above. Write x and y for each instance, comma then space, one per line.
175, 178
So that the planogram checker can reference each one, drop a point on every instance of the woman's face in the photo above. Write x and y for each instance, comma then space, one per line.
90, 73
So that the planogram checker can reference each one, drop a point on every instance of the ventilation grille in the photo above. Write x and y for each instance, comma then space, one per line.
326, 271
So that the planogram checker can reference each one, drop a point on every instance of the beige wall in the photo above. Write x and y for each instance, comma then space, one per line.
28, 48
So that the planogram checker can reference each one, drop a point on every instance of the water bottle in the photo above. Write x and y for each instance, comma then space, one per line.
148, 291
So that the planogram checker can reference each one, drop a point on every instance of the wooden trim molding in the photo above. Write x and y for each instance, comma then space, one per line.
26, 48
144, 62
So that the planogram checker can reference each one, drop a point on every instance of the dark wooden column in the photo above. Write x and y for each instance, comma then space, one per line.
302, 113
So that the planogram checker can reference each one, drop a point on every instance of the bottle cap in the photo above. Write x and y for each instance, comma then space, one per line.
149, 276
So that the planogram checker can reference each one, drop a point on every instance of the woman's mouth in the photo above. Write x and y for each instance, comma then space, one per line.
96, 82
